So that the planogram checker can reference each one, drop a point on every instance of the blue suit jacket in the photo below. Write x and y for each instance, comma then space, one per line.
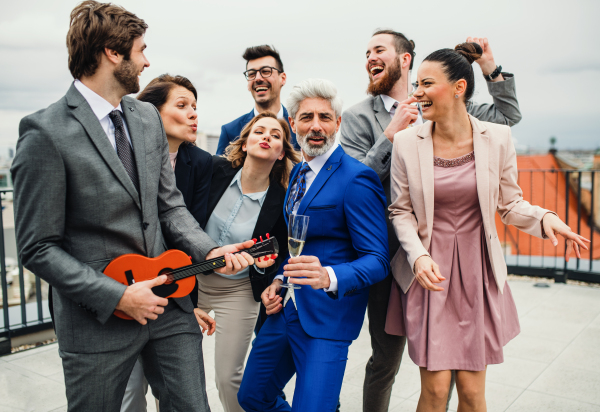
231, 131
347, 231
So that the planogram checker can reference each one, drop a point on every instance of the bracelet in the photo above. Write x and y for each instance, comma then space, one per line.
493, 74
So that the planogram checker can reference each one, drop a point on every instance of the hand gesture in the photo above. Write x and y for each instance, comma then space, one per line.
205, 321
309, 268
140, 303
265, 261
486, 61
406, 114
427, 272
234, 260
554, 226
271, 299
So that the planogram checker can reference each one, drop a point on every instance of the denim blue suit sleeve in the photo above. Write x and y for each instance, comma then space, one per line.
223, 141
364, 207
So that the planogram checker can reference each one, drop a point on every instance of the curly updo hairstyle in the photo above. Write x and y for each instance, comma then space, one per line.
457, 64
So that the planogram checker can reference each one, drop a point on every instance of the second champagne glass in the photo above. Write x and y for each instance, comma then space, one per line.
297, 228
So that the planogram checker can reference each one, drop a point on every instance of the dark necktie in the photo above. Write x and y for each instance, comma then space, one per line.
298, 188
124, 150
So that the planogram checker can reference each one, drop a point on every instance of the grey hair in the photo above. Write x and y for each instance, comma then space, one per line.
312, 88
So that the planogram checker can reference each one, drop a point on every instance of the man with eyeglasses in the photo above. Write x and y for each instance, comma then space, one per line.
265, 76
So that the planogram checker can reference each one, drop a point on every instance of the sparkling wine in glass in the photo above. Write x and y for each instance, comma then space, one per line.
297, 228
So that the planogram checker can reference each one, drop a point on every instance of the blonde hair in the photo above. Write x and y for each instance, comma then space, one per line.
282, 168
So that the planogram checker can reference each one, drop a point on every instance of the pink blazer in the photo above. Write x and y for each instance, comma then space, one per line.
411, 211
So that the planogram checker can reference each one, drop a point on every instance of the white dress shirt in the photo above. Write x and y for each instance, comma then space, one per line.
388, 103
315, 166
279, 114
101, 108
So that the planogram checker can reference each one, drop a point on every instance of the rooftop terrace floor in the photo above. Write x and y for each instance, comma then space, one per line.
553, 365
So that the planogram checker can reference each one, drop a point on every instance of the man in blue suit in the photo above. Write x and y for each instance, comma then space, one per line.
265, 76
346, 250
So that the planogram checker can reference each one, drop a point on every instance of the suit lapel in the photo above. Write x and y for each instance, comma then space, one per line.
138, 141
425, 149
84, 114
481, 146
325, 173
382, 115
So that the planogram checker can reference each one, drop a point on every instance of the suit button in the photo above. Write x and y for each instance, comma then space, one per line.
146, 224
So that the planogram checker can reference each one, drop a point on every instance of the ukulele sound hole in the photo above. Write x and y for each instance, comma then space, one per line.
167, 288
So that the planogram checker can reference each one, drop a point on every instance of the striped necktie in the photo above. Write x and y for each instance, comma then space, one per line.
124, 150
298, 189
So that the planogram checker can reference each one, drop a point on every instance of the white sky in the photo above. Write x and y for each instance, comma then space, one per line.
550, 46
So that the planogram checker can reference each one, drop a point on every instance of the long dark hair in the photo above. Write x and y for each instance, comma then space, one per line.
457, 64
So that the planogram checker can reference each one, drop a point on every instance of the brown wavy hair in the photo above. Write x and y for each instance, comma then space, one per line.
95, 26
282, 168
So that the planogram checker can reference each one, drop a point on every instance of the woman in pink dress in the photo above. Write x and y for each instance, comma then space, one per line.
449, 177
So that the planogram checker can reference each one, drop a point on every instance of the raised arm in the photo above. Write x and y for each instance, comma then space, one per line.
505, 109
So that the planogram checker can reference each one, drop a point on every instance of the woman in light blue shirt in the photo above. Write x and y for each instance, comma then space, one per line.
246, 201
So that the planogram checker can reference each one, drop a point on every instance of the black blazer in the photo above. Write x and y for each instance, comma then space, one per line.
193, 174
270, 219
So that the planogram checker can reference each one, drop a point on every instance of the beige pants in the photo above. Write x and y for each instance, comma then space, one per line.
235, 313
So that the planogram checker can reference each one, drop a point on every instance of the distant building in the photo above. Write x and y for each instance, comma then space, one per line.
208, 142
5, 179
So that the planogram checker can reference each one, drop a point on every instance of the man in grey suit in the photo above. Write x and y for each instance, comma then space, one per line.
93, 181
367, 133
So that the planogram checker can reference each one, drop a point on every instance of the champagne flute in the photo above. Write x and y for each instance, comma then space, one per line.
297, 228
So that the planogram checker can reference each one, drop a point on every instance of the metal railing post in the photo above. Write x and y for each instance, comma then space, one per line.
4, 283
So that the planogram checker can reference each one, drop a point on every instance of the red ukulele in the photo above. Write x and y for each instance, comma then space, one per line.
131, 268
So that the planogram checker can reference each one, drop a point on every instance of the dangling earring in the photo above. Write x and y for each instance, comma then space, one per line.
456, 96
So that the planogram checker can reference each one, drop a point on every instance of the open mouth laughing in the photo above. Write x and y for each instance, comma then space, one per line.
376, 70
261, 89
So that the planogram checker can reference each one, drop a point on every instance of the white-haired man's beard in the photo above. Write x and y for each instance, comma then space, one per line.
310, 148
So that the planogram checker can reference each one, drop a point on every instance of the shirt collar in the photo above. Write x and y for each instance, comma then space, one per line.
279, 114
388, 102
100, 106
237, 180
318, 162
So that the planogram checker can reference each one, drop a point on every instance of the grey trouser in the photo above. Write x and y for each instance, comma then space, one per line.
384, 363
235, 313
171, 352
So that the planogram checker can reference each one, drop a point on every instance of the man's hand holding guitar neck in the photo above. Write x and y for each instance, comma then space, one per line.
140, 303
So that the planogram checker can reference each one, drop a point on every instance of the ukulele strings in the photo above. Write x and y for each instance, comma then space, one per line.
207, 265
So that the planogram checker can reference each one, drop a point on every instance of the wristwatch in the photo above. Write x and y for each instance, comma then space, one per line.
493, 74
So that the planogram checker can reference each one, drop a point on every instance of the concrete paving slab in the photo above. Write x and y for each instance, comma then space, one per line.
531, 401
535, 349
571, 383
515, 372
21, 388
583, 352
44, 363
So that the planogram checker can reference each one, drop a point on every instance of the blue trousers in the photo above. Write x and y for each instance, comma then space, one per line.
283, 348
